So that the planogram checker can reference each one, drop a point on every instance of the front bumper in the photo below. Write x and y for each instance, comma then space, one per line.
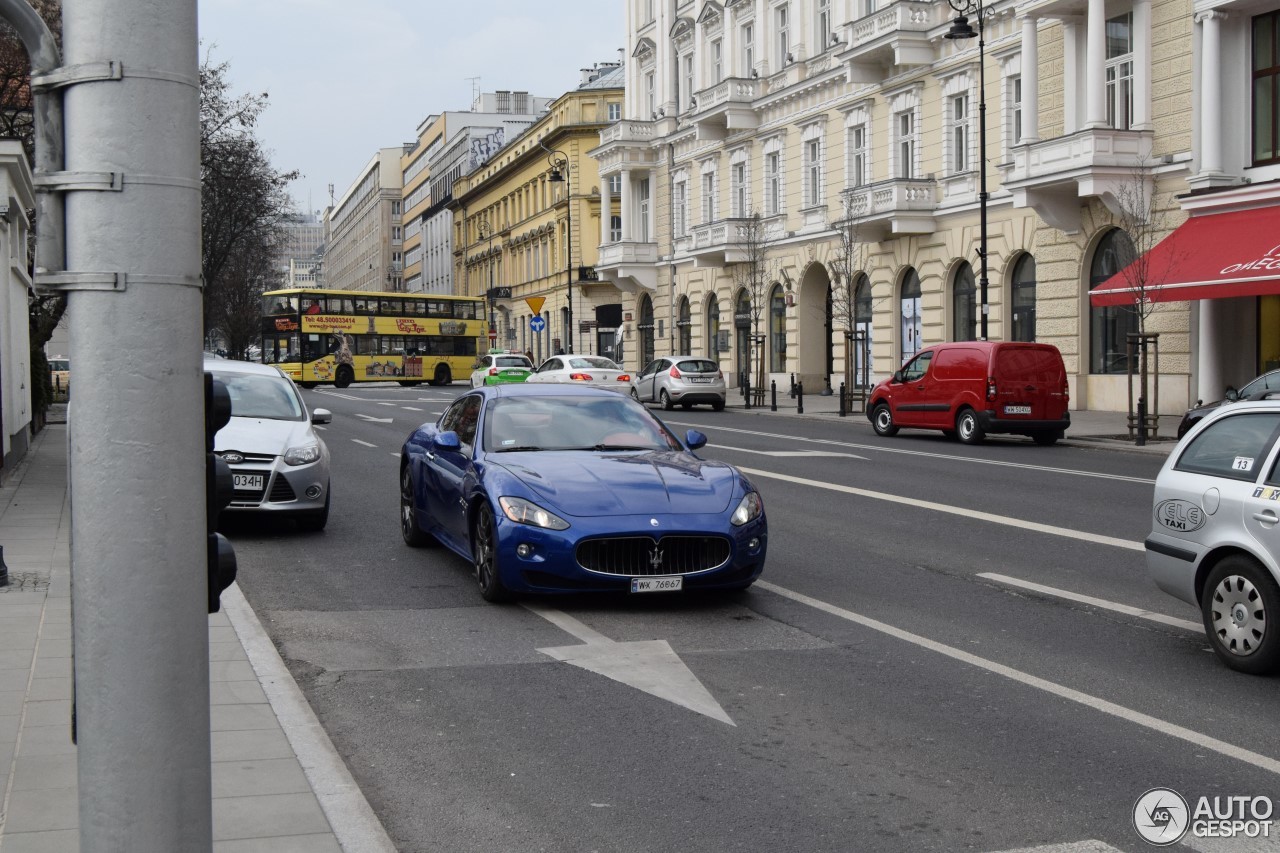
286, 488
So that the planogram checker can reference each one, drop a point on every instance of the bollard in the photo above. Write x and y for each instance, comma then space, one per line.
773, 395
842, 405
746, 392
1142, 422
799, 398
4, 570
792, 391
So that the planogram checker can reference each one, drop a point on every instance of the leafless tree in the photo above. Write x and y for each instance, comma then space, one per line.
850, 259
754, 274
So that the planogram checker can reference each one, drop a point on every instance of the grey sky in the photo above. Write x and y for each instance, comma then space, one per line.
346, 79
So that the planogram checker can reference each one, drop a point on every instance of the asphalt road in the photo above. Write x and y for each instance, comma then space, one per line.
891, 684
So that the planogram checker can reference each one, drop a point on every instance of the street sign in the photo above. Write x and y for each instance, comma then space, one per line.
535, 304
537, 324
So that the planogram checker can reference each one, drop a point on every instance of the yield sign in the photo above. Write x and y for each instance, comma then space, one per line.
535, 303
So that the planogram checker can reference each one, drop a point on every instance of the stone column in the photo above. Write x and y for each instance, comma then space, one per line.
1142, 64
628, 211
606, 208
1210, 93
1095, 65
1030, 81
1070, 76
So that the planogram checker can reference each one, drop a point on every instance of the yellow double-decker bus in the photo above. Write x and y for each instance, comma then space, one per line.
346, 336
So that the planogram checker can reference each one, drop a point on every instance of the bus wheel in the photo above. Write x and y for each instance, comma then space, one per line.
343, 377
308, 385
443, 375
408, 383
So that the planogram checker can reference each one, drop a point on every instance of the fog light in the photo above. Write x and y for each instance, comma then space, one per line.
753, 544
524, 550
314, 491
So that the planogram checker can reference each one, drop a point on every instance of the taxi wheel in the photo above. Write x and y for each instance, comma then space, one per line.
1239, 604
882, 420
967, 428
344, 376
484, 550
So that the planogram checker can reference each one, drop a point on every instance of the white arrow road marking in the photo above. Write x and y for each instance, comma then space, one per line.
373, 420
365, 443
788, 453
648, 665
386, 404
1102, 603
411, 408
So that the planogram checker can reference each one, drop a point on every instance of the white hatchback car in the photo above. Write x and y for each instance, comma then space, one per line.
594, 370
1215, 534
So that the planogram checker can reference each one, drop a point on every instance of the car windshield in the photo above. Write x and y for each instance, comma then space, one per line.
697, 365
588, 363
1265, 382
573, 423
256, 396
511, 361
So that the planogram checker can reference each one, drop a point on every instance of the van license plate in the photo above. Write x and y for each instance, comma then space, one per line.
247, 482
674, 584
1017, 410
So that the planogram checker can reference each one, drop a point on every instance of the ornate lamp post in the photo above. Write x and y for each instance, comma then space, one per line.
960, 29
560, 172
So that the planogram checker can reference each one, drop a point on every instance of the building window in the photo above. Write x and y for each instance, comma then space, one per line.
772, 183
822, 37
615, 184
615, 111
1023, 300
684, 325
648, 10
905, 143
964, 304
857, 144
708, 197
777, 331
960, 133
1266, 88
713, 329
738, 189
910, 305
861, 343
1120, 71
813, 173
688, 80
1109, 327
717, 61
615, 229
783, 39
644, 210
395, 207
649, 96
748, 49
680, 201
1013, 109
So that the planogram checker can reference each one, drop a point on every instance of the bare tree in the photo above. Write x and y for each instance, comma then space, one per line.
754, 273
849, 260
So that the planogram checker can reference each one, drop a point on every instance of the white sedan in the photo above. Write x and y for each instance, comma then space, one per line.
595, 370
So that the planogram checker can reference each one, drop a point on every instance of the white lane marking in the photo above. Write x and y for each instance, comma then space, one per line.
365, 443
1090, 846
372, 420
386, 404
949, 457
411, 408
648, 665
1101, 603
1173, 730
1096, 538
317, 426
396, 455
789, 453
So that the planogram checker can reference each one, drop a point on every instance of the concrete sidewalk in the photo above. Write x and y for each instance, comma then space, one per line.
278, 784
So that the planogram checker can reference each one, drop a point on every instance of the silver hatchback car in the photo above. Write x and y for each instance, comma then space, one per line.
1215, 533
685, 380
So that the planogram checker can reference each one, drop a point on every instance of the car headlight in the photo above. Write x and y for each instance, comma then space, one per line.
522, 511
749, 508
302, 455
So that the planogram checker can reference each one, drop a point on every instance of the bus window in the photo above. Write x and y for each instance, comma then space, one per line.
313, 348
364, 305
417, 307
278, 305
464, 310
391, 307
438, 308
313, 305
341, 305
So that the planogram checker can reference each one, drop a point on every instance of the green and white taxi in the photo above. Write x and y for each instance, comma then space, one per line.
500, 367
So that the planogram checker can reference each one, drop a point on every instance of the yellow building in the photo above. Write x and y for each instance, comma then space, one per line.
527, 227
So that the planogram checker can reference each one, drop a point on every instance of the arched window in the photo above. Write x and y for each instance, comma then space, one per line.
909, 305
685, 326
862, 307
1109, 326
713, 328
742, 330
964, 304
777, 331
645, 328
1023, 299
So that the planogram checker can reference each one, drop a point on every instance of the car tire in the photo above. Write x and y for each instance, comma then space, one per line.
635, 395
443, 375
968, 430
484, 554
344, 377
718, 405
314, 522
413, 535
665, 398
882, 420
1240, 606
1047, 438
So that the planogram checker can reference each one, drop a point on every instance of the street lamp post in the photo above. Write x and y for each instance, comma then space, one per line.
485, 230
960, 29
560, 172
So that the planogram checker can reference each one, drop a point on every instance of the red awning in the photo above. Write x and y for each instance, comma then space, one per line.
1207, 257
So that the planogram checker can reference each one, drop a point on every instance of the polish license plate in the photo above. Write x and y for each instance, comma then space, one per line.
1017, 410
674, 584
700, 380
248, 482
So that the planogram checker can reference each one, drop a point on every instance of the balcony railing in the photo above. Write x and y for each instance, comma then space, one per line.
897, 35
726, 106
721, 241
630, 252
893, 207
628, 130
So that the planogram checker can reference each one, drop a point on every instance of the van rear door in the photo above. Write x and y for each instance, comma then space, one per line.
1030, 382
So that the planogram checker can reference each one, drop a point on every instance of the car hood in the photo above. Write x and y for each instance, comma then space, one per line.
584, 483
263, 436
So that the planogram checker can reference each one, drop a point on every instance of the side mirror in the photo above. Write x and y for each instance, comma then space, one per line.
695, 439
897, 376
447, 440
1231, 394
321, 416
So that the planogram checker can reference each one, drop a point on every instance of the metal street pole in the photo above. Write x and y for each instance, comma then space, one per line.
960, 29
560, 172
137, 458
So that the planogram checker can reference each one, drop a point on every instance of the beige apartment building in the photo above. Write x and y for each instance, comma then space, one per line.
1110, 124
527, 227
364, 250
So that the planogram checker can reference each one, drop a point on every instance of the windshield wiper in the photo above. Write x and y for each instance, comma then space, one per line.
608, 447
522, 449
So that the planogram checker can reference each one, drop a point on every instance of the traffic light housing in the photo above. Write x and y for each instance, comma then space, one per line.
219, 486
